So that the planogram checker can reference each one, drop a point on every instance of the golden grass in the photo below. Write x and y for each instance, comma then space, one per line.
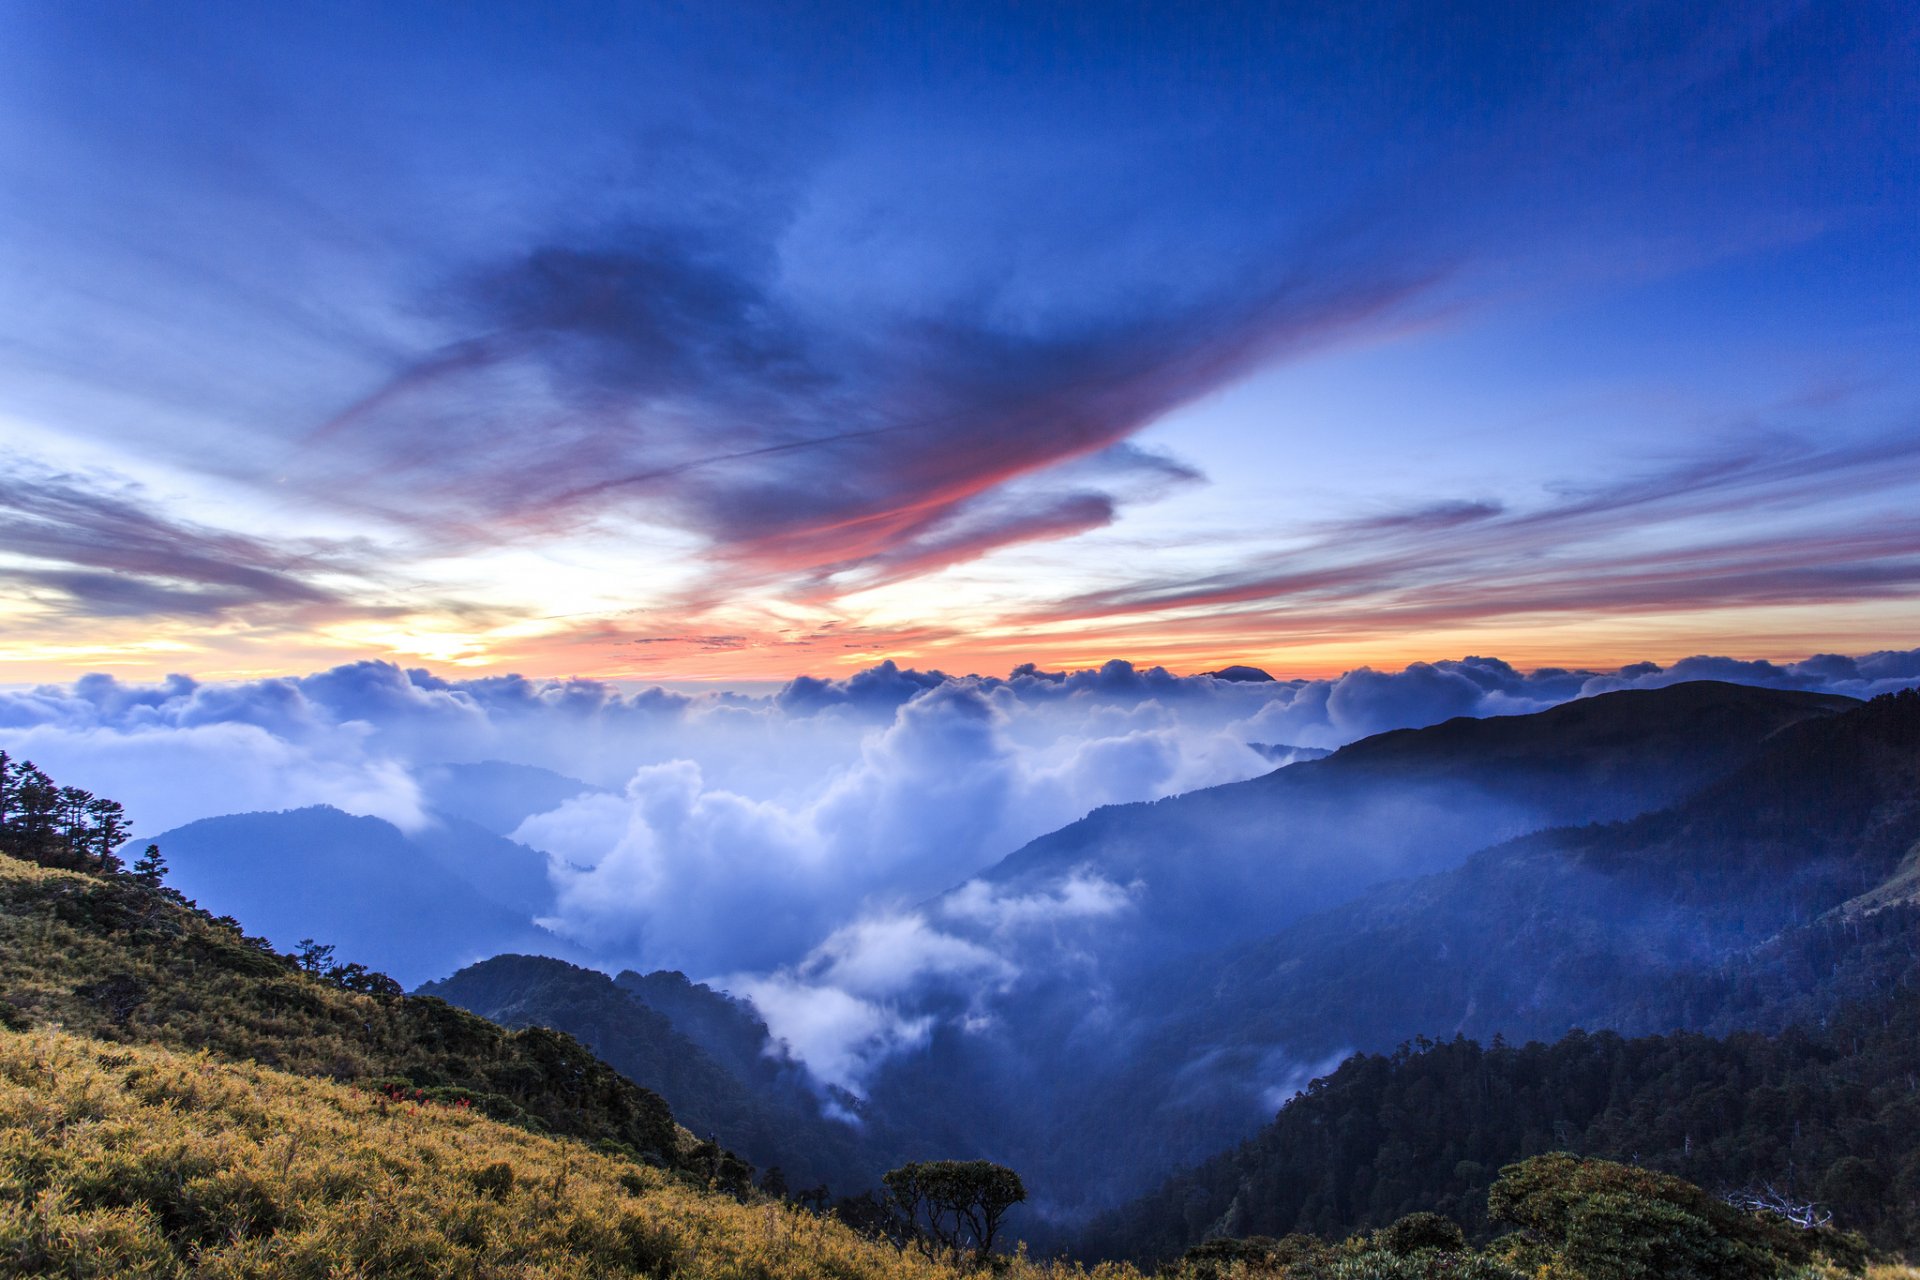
137, 1162
109, 958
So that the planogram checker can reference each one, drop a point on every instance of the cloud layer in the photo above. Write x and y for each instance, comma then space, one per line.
859, 769
786, 841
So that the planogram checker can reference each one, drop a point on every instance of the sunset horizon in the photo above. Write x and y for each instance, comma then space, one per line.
650, 346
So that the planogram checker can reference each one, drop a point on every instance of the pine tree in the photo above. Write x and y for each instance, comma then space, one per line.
151, 866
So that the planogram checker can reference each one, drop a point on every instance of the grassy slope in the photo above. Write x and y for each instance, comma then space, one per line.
134, 1162
112, 958
153, 1164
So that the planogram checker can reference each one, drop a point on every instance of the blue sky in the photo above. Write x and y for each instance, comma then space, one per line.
733, 341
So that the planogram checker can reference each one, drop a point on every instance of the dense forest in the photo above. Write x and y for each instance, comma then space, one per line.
1828, 1114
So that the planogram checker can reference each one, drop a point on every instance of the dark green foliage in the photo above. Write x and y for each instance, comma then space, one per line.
1608, 1221
57, 826
1832, 1114
1295, 1256
1572, 1219
494, 1180
954, 1205
1419, 1232
151, 867
313, 957
712, 1166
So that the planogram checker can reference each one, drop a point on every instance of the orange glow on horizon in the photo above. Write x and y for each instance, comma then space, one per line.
1592, 642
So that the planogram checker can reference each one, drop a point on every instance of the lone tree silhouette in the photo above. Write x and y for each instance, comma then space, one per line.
954, 1205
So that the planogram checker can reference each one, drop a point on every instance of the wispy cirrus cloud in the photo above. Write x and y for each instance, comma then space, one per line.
95, 546
669, 377
808, 338
1660, 540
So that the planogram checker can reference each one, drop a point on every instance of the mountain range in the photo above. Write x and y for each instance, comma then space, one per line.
1622, 863
1698, 907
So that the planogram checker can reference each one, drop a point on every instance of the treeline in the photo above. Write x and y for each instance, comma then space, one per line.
55, 826
70, 829
1827, 1115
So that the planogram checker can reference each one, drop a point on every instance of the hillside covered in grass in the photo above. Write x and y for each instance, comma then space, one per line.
154, 1164
717, 1074
112, 957
118, 1161
179, 1099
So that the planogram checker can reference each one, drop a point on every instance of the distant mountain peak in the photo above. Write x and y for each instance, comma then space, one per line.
1241, 674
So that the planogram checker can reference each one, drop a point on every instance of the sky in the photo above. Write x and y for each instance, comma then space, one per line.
729, 342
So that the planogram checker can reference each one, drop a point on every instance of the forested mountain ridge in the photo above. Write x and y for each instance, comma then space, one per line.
756, 1105
1828, 1112
1664, 921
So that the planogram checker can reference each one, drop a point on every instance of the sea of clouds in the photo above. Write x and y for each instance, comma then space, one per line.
784, 839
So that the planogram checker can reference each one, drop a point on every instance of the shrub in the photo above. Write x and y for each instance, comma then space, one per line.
1418, 1232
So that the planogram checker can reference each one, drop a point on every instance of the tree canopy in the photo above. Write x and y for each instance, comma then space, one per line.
954, 1205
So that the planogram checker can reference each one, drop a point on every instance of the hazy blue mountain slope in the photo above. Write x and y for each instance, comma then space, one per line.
1240, 861
1663, 921
496, 795
1565, 927
412, 906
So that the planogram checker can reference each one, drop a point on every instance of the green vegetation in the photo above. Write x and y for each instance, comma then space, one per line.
57, 826
762, 1109
160, 1165
123, 1162
1607, 1221
951, 1206
178, 1099
1830, 1115
1568, 1219
121, 958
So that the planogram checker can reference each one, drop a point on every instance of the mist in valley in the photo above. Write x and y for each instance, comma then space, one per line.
1047, 919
